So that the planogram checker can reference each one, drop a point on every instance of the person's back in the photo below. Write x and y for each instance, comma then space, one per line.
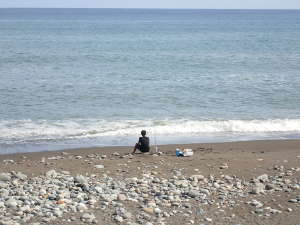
144, 144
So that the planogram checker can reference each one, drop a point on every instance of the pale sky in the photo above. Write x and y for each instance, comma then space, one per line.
201, 4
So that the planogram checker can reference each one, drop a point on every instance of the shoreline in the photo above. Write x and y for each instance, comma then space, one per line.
61, 135
241, 153
127, 149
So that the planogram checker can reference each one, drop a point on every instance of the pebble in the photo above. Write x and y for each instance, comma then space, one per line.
258, 188
48, 197
194, 193
224, 166
157, 210
88, 217
122, 197
8, 161
11, 203
148, 210
81, 207
275, 211
99, 166
270, 186
119, 219
208, 219
256, 203
263, 178
259, 211
81, 179
197, 177
58, 213
20, 176
5, 177
51, 174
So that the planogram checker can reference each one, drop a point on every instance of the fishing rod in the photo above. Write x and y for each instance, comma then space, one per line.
155, 142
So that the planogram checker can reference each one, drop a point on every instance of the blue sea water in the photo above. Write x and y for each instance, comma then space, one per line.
95, 77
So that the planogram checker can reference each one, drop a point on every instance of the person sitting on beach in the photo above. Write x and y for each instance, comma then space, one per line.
143, 144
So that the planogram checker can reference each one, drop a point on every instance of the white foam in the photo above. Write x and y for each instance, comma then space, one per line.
15, 131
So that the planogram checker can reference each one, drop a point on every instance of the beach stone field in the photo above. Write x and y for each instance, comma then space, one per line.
233, 183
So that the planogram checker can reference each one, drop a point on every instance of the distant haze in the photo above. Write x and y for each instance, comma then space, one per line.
203, 4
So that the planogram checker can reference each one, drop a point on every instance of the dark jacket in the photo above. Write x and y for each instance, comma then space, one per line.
144, 144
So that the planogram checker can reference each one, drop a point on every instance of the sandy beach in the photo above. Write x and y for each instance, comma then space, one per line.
253, 182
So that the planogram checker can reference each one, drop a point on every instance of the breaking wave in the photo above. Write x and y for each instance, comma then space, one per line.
14, 131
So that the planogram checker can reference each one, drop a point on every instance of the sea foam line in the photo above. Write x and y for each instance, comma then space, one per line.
29, 130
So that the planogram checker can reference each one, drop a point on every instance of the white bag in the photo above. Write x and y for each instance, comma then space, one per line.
188, 152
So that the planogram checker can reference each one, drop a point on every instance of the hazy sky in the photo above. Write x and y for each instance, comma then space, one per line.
242, 4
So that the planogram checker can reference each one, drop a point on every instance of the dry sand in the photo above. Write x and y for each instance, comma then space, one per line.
245, 160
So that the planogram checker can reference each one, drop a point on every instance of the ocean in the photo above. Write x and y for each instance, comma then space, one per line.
74, 78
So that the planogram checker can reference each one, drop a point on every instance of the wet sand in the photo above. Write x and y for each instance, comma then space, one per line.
247, 158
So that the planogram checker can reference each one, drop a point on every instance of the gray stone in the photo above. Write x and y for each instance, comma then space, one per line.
205, 191
193, 193
256, 203
259, 211
122, 197
197, 177
11, 203
57, 212
275, 211
208, 219
88, 217
263, 178
157, 210
99, 166
81, 207
51, 174
216, 185
127, 215
20, 176
270, 186
81, 179
119, 219
224, 166
98, 189
5, 177
258, 188
8, 161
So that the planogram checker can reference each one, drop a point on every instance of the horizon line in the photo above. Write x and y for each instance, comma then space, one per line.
150, 8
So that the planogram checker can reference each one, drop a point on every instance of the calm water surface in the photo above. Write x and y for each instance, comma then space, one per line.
93, 77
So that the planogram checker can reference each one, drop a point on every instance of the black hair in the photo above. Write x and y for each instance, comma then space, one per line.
143, 132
